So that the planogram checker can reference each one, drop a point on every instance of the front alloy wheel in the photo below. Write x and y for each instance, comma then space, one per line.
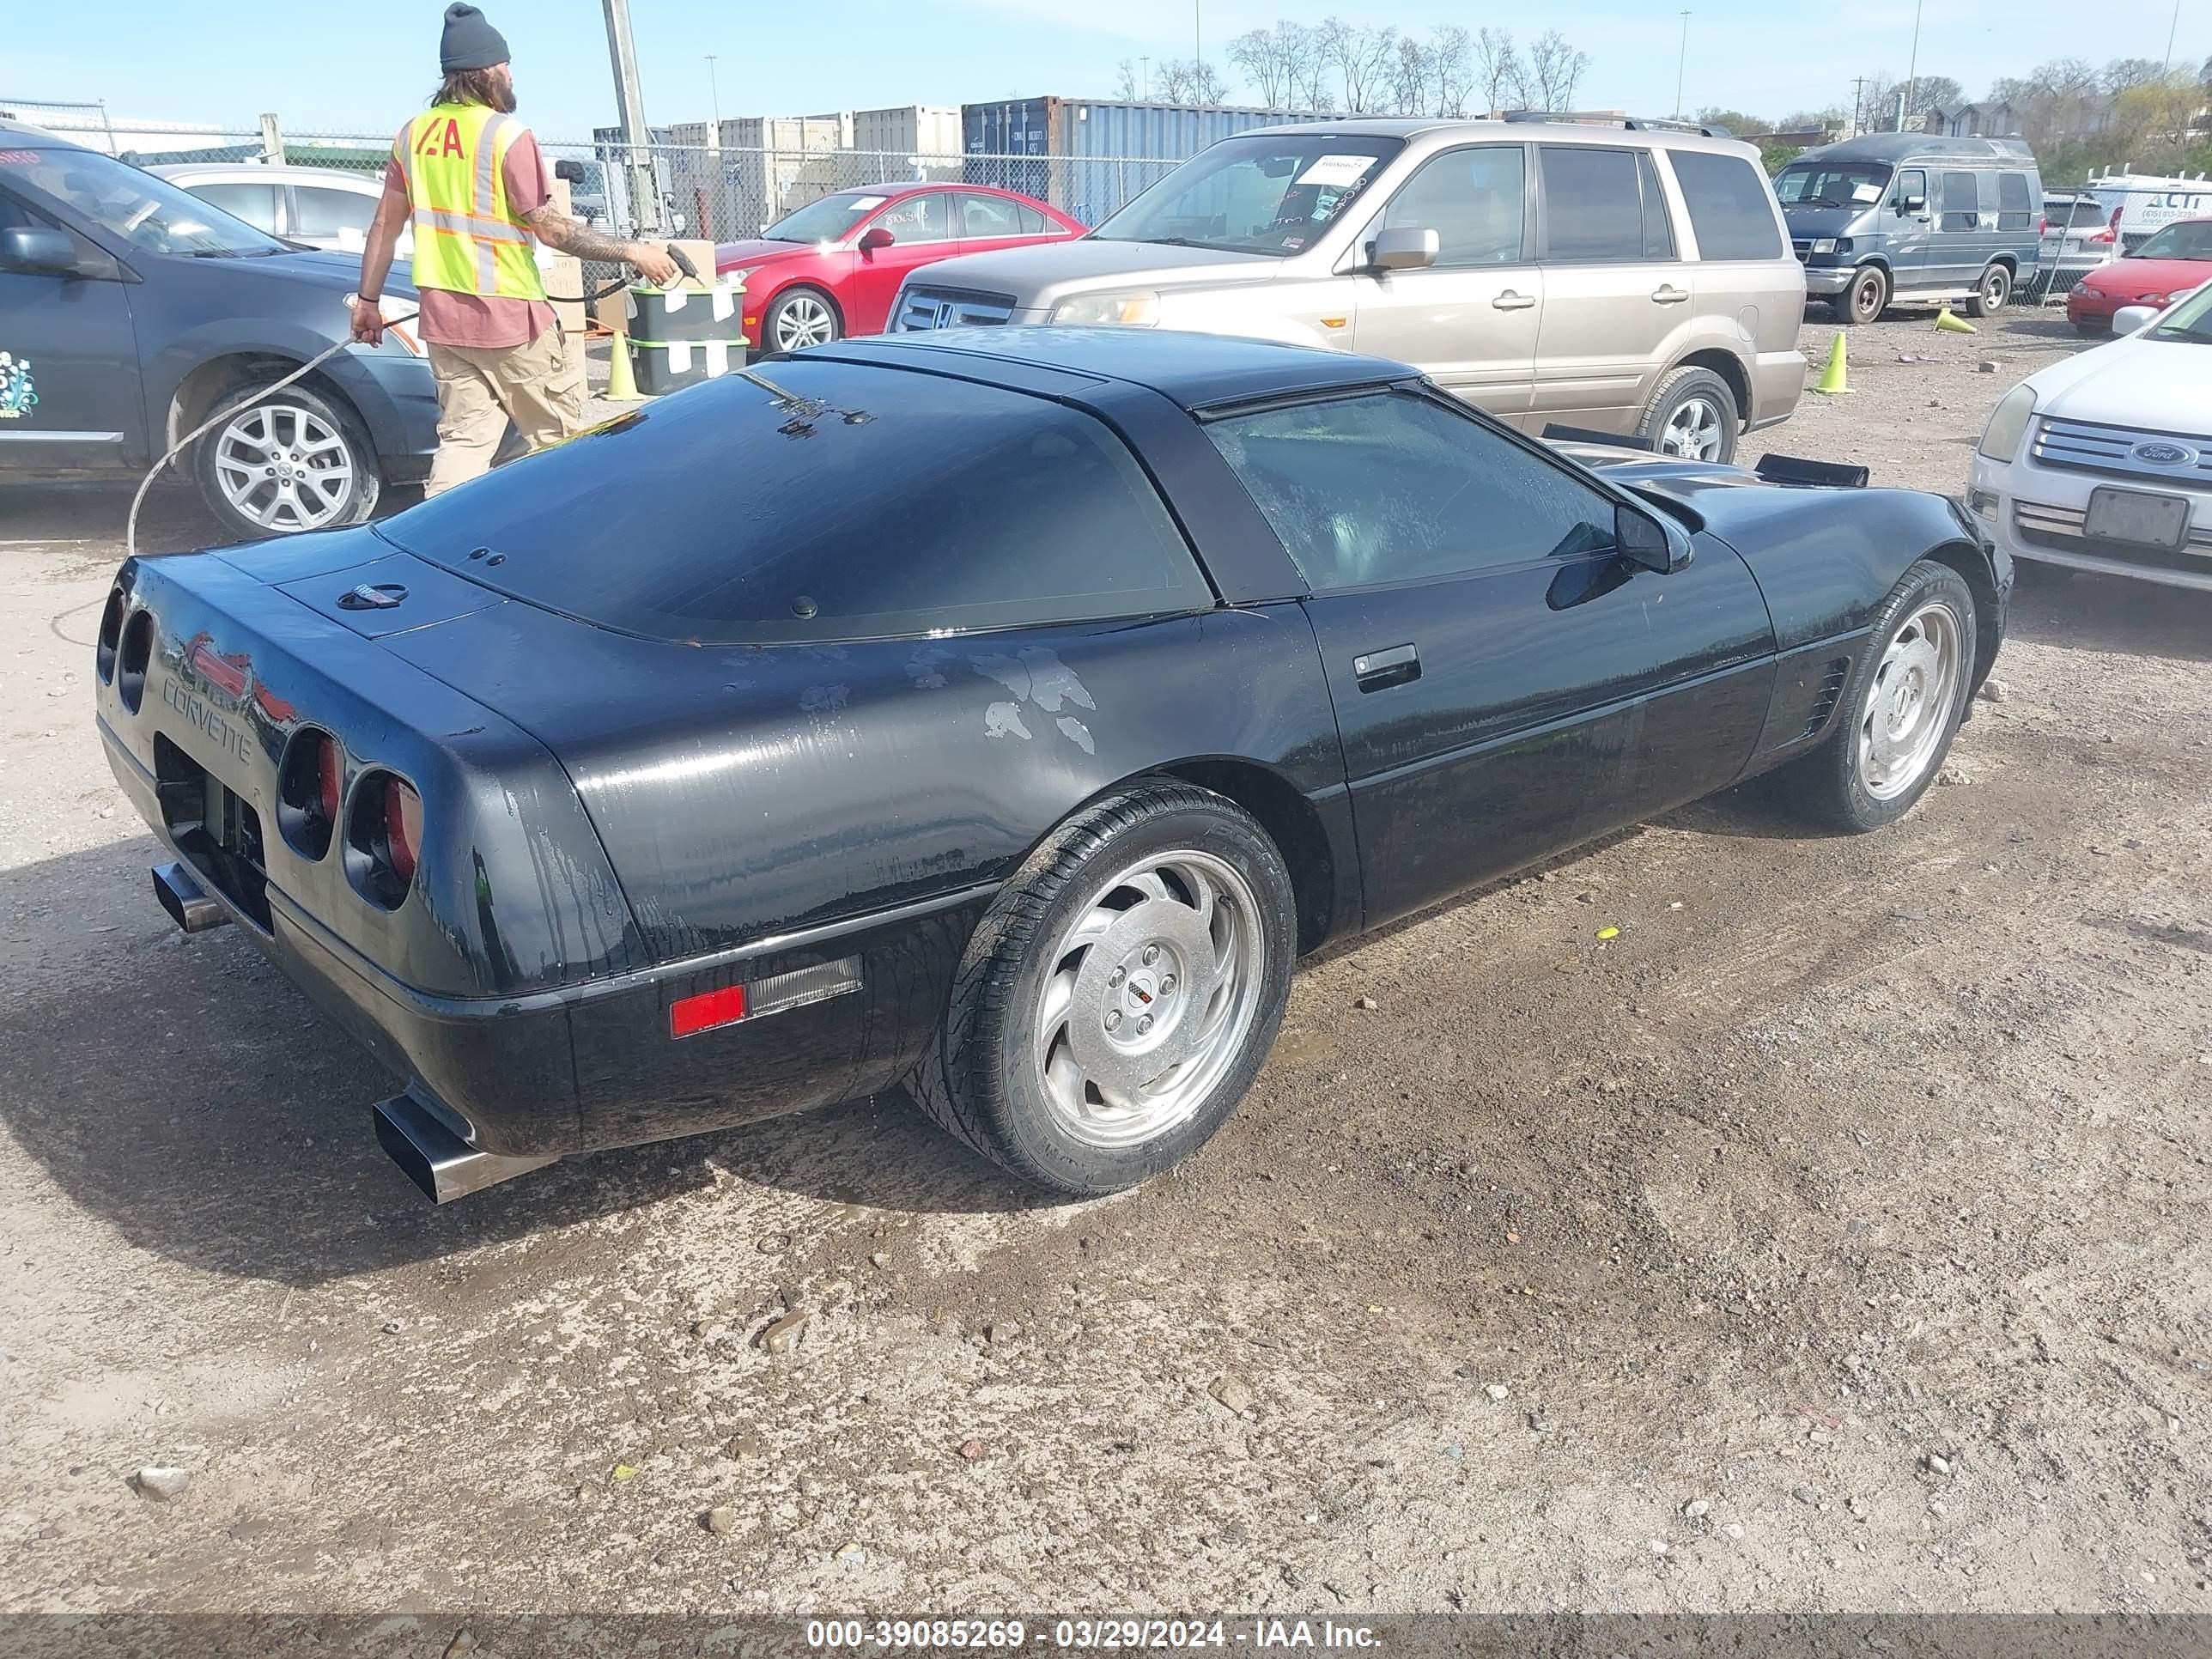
284, 468
802, 319
1906, 716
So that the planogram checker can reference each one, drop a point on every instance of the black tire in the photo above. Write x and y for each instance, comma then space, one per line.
772, 319
1829, 785
292, 413
1993, 292
1865, 299
1677, 391
981, 1079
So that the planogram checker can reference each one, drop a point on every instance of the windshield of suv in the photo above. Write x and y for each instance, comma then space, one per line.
1832, 184
150, 212
830, 219
2191, 241
1263, 192
2191, 320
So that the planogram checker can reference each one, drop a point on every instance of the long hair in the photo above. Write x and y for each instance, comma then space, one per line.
474, 87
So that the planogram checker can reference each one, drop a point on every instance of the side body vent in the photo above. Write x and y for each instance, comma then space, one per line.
1831, 691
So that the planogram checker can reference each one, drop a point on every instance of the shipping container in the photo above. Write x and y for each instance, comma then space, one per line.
924, 130
1093, 155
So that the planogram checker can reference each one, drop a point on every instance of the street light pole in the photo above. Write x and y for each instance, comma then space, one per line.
2171, 30
637, 159
1681, 62
715, 97
1911, 68
1197, 40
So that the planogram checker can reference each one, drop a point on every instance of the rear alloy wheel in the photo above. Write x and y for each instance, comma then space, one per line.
798, 317
1120, 994
278, 465
1865, 299
1906, 697
1991, 293
1693, 417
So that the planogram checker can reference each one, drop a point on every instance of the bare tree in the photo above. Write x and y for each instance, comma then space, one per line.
1451, 67
1500, 73
1412, 69
1361, 58
1191, 81
1282, 63
1556, 68
2124, 74
1253, 55
1125, 81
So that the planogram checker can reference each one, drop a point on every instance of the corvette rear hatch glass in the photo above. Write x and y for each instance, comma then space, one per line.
821, 501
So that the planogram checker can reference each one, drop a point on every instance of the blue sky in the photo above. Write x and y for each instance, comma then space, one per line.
365, 67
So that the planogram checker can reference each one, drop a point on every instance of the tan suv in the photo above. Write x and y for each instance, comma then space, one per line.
1629, 278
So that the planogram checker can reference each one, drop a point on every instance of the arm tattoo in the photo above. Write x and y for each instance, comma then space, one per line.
557, 230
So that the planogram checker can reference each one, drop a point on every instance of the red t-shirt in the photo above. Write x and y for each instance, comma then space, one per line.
473, 320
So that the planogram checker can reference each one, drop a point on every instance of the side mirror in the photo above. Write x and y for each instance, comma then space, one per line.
35, 248
1912, 205
1649, 540
2128, 318
875, 237
572, 172
1405, 247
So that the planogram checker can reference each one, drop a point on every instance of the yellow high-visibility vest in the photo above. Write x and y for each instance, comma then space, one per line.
467, 239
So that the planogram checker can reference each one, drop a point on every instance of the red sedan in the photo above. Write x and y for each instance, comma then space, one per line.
833, 268
2167, 266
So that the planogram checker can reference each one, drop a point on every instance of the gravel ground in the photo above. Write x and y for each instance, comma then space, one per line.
1832, 1238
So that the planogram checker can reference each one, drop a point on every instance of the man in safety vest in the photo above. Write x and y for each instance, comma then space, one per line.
469, 179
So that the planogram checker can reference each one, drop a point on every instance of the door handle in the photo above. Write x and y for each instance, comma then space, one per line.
1510, 301
1380, 670
1666, 294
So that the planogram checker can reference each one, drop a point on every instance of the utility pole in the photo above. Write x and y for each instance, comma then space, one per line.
715, 98
1144, 64
1681, 62
1911, 68
1858, 104
1197, 40
637, 163
2170, 29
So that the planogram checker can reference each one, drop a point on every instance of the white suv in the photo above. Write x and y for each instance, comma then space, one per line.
2104, 462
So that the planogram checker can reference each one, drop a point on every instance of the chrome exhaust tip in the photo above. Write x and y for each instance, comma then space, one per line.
439, 1163
186, 901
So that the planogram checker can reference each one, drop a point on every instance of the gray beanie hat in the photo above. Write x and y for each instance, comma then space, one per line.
469, 42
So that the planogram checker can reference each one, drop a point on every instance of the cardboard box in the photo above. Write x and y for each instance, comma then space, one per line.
565, 275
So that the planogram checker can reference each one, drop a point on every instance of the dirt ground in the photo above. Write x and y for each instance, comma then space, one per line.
1832, 1238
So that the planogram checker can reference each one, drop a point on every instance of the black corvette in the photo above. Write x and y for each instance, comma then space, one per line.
999, 713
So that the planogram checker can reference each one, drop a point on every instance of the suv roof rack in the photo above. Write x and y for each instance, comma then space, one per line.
1631, 123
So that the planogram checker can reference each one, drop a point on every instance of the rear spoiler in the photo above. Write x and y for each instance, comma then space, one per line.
1824, 475
1557, 433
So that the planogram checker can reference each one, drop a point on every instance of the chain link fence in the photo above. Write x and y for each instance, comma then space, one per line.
723, 192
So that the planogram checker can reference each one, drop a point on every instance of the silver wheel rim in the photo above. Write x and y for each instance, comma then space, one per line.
1869, 298
283, 467
1995, 286
803, 321
1693, 431
1149, 996
1908, 705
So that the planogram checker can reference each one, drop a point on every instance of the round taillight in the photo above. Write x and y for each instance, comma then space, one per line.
130, 659
383, 838
310, 782
402, 827
111, 634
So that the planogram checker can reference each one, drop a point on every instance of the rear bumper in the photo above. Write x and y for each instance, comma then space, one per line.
586, 1066
1777, 385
